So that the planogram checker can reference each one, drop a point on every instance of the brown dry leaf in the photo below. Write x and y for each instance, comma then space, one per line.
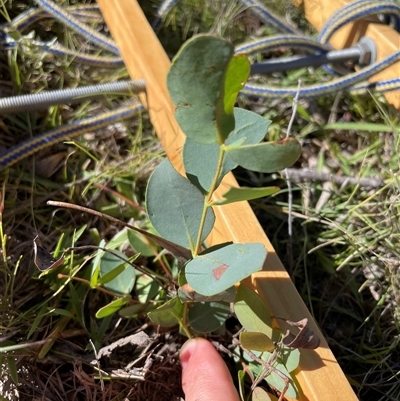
43, 259
47, 166
305, 338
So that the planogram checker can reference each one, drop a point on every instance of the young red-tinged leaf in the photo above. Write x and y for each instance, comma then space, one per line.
259, 394
213, 272
252, 312
112, 307
256, 341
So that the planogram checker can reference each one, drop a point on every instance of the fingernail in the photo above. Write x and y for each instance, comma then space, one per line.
187, 351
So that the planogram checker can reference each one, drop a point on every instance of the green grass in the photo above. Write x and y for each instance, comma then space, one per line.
343, 256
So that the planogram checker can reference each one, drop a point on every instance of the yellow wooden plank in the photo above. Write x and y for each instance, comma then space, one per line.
319, 375
387, 40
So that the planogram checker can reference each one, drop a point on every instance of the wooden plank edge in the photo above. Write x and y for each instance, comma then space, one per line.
387, 40
319, 375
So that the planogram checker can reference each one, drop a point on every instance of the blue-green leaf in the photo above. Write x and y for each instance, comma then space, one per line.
175, 206
250, 128
252, 312
196, 82
265, 157
213, 272
124, 280
205, 317
274, 380
237, 73
168, 314
141, 244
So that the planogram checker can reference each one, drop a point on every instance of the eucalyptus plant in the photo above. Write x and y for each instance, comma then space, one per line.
204, 81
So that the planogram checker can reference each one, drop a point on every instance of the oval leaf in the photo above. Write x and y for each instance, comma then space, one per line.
141, 244
213, 272
122, 280
249, 127
168, 314
256, 341
146, 288
237, 73
198, 172
111, 275
132, 310
252, 311
175, 206
245, 194
187, 294
259, 394
266, 157
196, 82
96, 264
241, 382
277, 382
206, 317
112, 307
290, 358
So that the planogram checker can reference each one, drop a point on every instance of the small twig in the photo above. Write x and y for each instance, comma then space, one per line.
289, 184
98, 365
267, 368
110, 251
120, 196
185, 253
312, 175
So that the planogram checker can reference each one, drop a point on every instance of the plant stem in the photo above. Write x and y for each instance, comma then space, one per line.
207, 200
183, 323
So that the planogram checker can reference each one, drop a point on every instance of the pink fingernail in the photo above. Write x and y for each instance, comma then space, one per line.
187, 351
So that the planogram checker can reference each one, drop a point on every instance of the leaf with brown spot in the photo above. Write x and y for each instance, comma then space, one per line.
212, 272
219, 271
